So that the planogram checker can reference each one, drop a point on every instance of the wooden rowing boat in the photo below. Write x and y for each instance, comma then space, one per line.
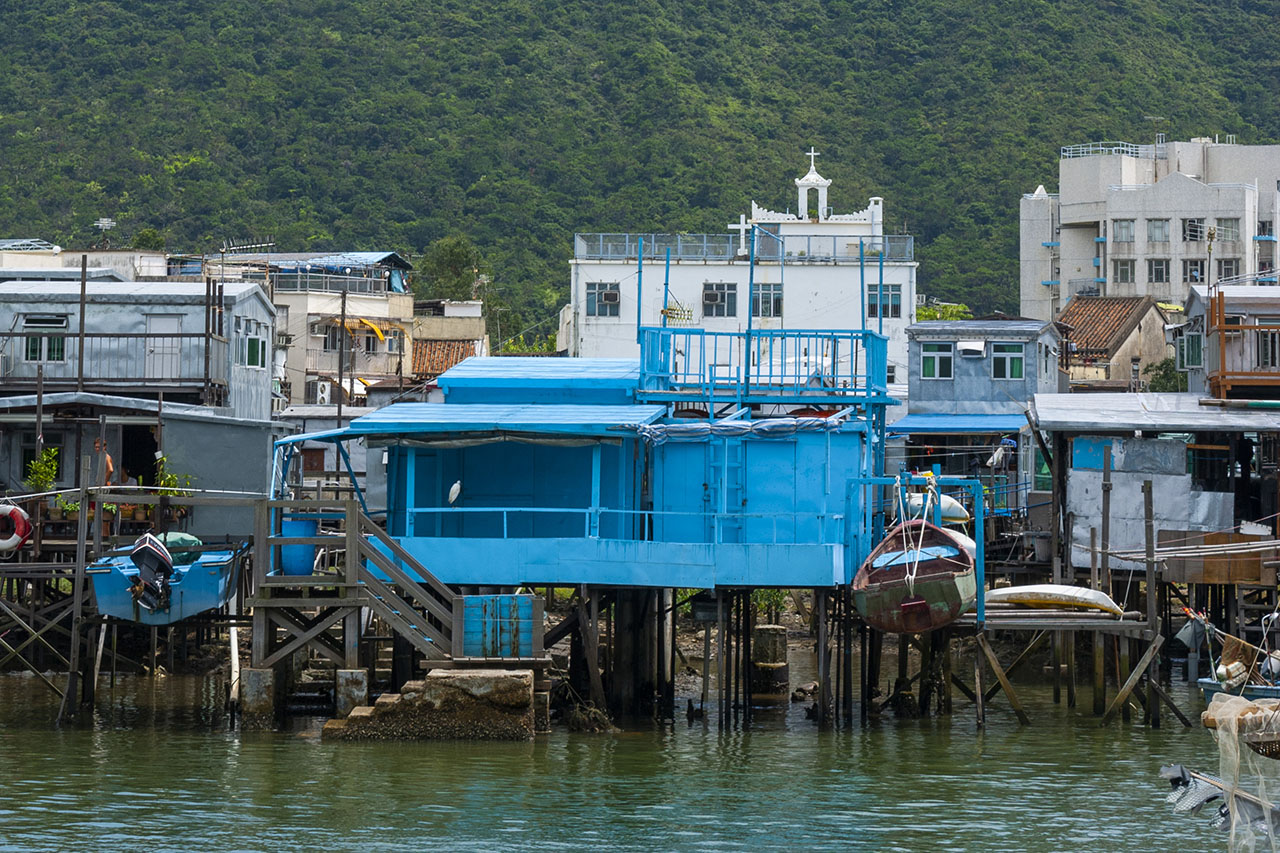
919, 578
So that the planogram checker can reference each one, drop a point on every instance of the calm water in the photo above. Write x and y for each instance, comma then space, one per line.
157, 770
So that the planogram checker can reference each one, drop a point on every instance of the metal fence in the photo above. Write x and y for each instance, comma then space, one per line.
121, 357
791, 248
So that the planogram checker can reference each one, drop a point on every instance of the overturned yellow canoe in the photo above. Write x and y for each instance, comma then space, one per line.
1054, 595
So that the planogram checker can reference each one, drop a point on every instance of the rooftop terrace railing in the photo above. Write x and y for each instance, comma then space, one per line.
1095, 149
118, 357
777, 365
790, 248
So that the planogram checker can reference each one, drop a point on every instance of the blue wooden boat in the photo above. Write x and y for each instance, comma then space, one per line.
205, 583
1210, 686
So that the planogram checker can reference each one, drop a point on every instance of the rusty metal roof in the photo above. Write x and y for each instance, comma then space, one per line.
432, 357
1100, 324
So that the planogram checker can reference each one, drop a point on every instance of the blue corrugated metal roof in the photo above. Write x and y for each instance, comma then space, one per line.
506, 370
407, 419
944, 424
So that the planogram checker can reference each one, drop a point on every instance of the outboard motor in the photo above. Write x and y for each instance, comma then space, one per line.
155, 565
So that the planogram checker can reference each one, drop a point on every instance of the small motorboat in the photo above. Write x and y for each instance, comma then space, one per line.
151, 586
919, 578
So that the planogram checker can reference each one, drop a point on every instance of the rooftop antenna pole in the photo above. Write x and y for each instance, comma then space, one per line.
880, 313
84, 286
862, 276
751, 292
342, 349
666, 289
639, 287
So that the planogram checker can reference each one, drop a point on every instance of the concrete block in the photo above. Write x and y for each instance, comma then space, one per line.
257, 698
769, 644
351, 690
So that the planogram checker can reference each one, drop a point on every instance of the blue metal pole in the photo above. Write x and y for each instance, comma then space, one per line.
880, 313
666, 289
862, 279
639, 286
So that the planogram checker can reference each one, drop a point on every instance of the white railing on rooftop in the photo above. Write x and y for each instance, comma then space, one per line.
789, 248
1095, 149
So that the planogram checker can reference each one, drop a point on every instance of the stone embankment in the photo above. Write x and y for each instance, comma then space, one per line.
463, 704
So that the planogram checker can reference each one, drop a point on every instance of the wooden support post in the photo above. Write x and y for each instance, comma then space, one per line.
1099, 673
825, 698
964, 688
77, 586
979, 704
1153, 615
1025, 655
945, 686
1055, 658
588, 630
864, 687
1120, 700
1177, 712
1122, 676
1069, 647
1004, 681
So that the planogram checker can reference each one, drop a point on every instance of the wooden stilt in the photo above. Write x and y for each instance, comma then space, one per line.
1056, 663
1004, 681
1069, 648
1025, 655
825, 698
1132, 681
1122, 678
1099, 674
864, 687
978, 701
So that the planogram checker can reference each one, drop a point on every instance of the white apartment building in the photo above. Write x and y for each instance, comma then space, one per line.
1150, 220
813, 269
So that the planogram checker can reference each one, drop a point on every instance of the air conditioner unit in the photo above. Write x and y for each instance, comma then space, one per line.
711, 297
971, 349
317, 329
610, 297
921, 299
322, 393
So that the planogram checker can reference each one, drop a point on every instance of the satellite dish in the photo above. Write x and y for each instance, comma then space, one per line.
454, 491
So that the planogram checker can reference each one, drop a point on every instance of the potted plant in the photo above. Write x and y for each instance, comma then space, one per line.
42, 472
70, 509
172, 484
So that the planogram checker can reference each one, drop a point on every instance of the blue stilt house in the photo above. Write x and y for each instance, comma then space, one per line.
717, 459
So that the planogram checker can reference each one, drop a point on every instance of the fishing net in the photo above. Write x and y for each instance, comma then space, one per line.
1251, 777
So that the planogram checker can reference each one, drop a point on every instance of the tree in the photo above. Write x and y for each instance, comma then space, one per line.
149, 240
1165, 377
944, 311
450, 268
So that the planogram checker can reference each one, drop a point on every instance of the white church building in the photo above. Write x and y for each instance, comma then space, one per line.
813, 270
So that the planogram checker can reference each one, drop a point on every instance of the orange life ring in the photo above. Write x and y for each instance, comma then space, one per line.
21, 526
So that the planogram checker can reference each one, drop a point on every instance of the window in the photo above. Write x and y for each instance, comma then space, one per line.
888, 306
1265, 228
332, 338
603, 298
1269, 343
1190, 351
1229, 229
1006, 361
1193, 230
767, 301
935, 361
1193, 270
1122, 271
1122, 231
1158, 270
256, 352
719, 299
394, 340
370, 343
1228, 268
46, 347
891, 373
1157, 231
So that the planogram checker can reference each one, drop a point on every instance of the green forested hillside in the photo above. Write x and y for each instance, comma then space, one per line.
393, 124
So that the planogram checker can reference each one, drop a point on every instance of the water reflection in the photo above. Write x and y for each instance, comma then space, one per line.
156, 766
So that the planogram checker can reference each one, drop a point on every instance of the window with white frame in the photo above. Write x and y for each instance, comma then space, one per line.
1228, 268
719, 299
1265, 228
1190, 351
1158, 270
1192, 270
45, 337
1157, 231
1006, 361
394, 341
1269, 343
603, 298
1193, 229
332, 338
936, 360
767, 300
1122, 271
888, 304
1229, 229
1122, 231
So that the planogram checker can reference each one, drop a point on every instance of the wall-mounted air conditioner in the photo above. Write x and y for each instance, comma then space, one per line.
971, 349
610, 297
711, 297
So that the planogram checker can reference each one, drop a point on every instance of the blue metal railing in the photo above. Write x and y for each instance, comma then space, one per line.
778, 528
790, 248
776, 362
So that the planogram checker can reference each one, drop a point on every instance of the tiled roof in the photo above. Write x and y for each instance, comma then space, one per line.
431, 358
1100, 324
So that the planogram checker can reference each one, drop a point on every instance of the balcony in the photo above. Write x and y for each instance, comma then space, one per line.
115, 359
789, 248
781, 366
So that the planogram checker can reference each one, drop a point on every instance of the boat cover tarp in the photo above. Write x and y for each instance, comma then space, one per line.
768, 428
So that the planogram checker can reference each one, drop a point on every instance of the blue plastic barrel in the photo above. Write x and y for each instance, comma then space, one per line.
298, 559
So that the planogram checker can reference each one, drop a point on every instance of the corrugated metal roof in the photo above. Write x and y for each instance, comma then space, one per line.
409, 419
292, 260
1100, 324
975, 328
184, 289
1123, 412
59, 274
184, 411
948, 424
544, 372
433, 357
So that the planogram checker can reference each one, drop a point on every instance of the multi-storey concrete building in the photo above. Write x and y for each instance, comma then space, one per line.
1149, 220
813, 269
